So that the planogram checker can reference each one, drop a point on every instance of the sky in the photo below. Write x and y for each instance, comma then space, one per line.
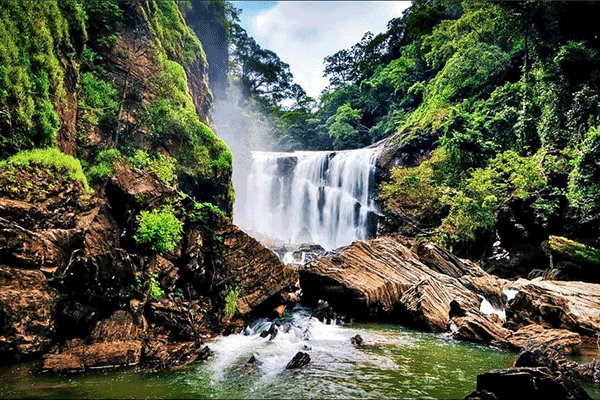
303, 33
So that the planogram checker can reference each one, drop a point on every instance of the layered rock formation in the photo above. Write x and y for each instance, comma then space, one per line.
82, 288
423, 285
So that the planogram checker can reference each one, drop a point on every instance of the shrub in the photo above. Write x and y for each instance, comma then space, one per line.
231, 301
162, 165
103, 167
160, 230
507, 177
156, 292
415, 190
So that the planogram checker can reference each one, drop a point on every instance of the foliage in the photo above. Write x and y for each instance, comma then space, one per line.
260, 71
204, 212
415, 190
156, 292
159, 229
584, 181
103, 167
32, 35
52, 158
231, 301
507, 178
162, 165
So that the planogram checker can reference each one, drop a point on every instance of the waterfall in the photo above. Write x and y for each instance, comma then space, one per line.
311, 196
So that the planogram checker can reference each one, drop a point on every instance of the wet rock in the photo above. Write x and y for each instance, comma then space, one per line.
50, 248
98, 279
27, 306
300, 360
561, 340
119, 327
357, 340
271, 332
62, 363
258, 273
481, 395
474, 326
185, 320
289, 298
324, 312
529, 383
251, 366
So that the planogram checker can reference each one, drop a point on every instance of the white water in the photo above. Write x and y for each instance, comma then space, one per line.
311, 196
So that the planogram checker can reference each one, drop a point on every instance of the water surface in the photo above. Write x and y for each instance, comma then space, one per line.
394, 362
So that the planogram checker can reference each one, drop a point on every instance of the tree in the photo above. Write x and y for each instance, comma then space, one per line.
260, 71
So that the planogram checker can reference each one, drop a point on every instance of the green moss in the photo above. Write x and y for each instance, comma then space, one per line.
575, 251
32, 36
52, 158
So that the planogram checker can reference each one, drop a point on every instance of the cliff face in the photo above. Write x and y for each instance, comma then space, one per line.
97, 75
208, 20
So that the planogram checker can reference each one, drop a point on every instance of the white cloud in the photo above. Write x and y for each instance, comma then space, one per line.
304, 33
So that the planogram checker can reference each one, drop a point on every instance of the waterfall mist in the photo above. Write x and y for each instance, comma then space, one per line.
244, 129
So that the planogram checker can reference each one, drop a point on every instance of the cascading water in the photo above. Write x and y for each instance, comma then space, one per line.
312, 196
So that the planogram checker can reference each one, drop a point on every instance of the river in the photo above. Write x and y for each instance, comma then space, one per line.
393, 362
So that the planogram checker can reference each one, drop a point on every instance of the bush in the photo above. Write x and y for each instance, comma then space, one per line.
231, 301
415, 190
162, 165
160, 230
584, 181
50, 157
156, 292
507, 177
103, 167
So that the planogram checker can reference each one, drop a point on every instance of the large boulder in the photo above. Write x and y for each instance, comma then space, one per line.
386, 277
27, 305
555, 304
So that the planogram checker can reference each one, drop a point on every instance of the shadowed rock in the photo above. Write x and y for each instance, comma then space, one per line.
300, 360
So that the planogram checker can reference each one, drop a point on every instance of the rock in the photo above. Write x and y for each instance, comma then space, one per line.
272, 332
251, 366
561, 340
555, 304
481, 395
185, 320
289, 298
119, 327
63, 363
300, 360
528, 383
96, 355
27, 306
324, 313
474, 326
98, 279
52, 248
258, 273
357, 340
385, 277
279, 310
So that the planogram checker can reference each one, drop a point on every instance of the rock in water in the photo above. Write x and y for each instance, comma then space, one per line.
271, 331
251, 366
357, 340
527, 383
300, 360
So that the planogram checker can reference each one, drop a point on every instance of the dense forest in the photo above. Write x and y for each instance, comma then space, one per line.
501, 100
